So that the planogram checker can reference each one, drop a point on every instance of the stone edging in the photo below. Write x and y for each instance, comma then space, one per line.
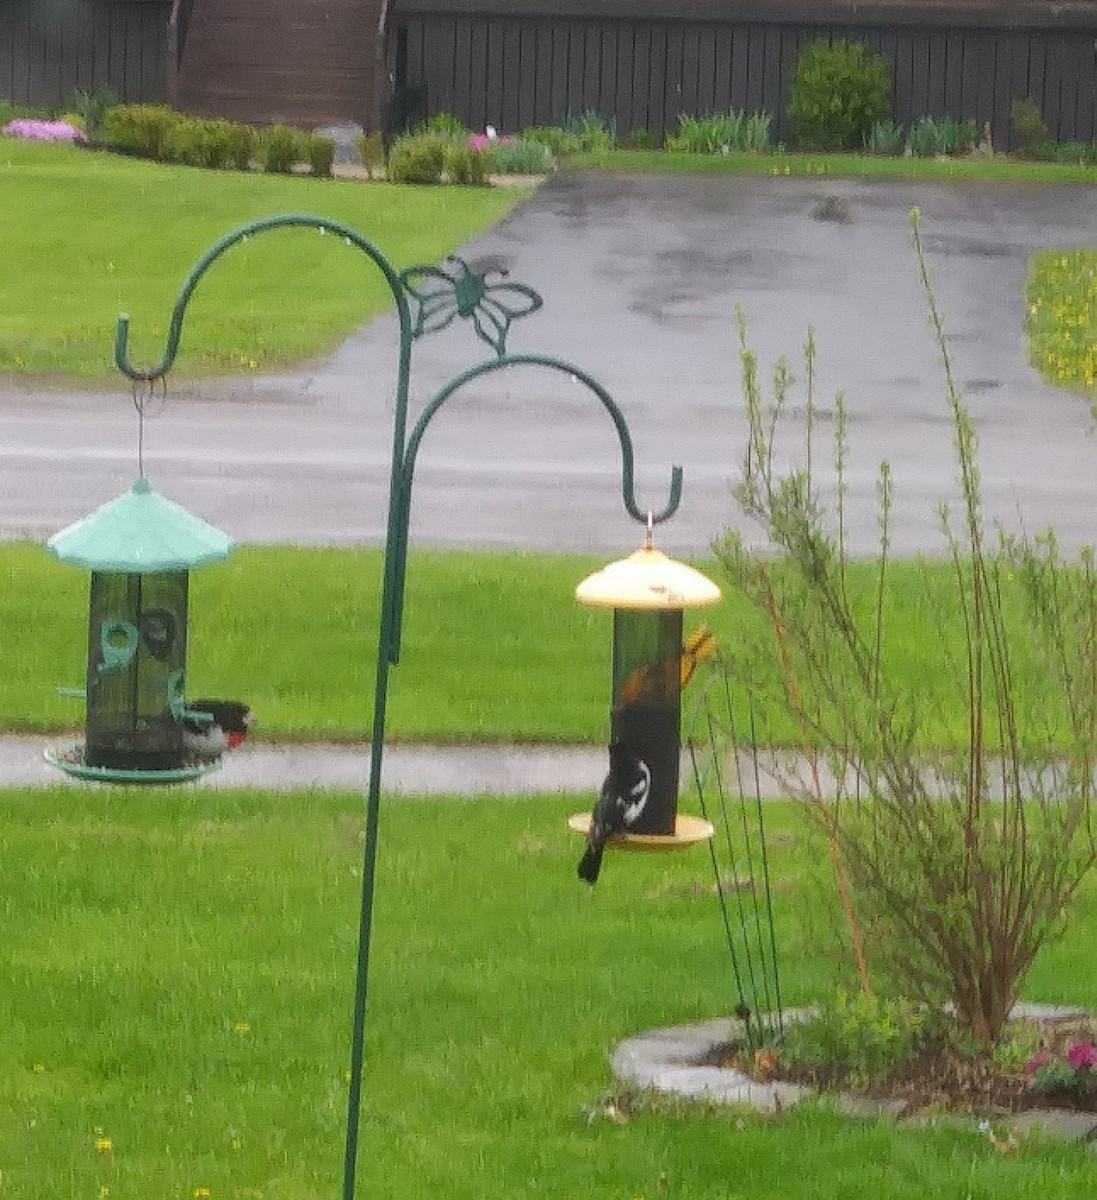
664, 1061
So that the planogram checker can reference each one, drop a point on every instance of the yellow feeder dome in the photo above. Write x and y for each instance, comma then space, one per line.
647, 580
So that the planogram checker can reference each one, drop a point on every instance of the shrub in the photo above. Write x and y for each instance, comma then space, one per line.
520, 156
860, 1038
885, 137
281, 148
371, 151
937, 137
320, 151
639, 139
592, 134
418, 159
559, 140
243, 141
1084, 153
961, 864
198, 142
720, 133
1030, 130
839, 91
465, 164
140, 129
92, 107
444, 124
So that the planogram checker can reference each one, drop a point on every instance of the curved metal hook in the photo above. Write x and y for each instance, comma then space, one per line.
175, 328
610, 405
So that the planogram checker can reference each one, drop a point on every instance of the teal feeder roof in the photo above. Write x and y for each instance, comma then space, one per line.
140, 533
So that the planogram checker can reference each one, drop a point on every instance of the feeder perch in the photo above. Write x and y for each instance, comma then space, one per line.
648, 593
139, 549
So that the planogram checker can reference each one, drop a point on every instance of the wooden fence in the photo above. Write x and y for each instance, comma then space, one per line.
518, 71
49, 48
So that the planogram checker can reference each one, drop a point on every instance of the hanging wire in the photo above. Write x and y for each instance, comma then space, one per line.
146, 393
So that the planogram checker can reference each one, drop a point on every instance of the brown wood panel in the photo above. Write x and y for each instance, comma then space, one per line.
654, 84
577, 46
706, 70
493, 87
622, 101
542, 100
755, 96
438, 51
1053, 57
903, 82
462, 61
508, 116
561, 59
478, 73
721, 85
641, 75
672, 89
954, 72
527, 75
936, 50
739, 80
607, 75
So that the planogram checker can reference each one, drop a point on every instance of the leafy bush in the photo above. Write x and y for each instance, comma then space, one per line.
936, 137
720, 133
1030, 130
521, 157
320, 150
638, 139
858, 1037
839, 91
371, 151
92, 107
214, 144
959, 865
1084, 153
140, 129
444, 124
465, 164
418, 158
885, 137
559, 140
281, 148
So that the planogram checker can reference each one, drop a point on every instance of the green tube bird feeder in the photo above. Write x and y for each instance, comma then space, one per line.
140, 548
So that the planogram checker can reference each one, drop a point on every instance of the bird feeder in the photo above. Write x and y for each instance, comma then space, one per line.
648, 593
139, 549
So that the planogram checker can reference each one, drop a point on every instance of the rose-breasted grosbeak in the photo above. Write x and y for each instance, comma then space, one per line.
620, 803
227, 728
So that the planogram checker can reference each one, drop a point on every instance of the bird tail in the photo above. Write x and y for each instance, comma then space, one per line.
590, 864
699, 646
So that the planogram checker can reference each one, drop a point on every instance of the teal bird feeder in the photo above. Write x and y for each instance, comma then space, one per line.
139, 548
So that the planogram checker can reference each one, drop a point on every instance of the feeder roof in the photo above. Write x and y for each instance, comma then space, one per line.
647, 580
140, 533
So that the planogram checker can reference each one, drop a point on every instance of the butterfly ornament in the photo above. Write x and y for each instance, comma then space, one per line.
455, 290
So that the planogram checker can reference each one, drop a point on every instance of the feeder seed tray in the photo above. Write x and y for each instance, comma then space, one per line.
688, 831
69, 758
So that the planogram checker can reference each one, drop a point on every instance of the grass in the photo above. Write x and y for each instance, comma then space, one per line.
178, 975
293, 631
997, 168
1062, 322
88, 236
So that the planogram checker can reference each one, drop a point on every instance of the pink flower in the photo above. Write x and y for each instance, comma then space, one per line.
1040, 1059
43, 131
479, 141
1084, 1054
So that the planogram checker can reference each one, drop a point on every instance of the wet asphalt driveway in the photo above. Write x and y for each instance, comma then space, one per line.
641, 277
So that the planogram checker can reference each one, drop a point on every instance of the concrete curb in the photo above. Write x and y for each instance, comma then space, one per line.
665, 1061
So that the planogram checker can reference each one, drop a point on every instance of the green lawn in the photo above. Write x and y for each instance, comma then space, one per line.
87, 236
1062, 322
178, 972
853, 166
495, 646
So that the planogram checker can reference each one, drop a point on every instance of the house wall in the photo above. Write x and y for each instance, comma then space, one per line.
514, 71
48, 50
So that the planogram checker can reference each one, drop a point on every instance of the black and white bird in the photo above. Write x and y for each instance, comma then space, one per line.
622, 799
227, 728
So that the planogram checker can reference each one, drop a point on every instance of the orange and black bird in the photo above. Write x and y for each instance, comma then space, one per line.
620, 802
653, 682
226, 727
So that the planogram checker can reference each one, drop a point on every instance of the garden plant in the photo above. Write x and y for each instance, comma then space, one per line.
958, 863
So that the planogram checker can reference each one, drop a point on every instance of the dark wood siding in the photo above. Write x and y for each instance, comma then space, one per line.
48, 51
644, 73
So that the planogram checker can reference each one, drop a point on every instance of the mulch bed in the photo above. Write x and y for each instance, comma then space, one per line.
940, 1080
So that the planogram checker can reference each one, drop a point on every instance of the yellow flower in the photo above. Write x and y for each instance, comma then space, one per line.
39, 1068
201, 1193
242, 1028
103, 1191
104, 1145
